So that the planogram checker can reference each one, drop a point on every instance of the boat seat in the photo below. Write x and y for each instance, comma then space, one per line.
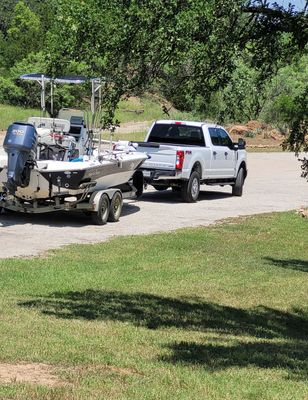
76, 124
53, 124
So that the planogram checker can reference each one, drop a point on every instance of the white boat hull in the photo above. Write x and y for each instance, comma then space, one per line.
59, 178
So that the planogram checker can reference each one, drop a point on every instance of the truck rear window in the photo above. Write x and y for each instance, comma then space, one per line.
177, 134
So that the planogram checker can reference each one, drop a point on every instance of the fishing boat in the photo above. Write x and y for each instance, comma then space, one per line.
51, 164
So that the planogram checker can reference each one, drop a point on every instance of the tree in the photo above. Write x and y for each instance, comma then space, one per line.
22, 35
131, 43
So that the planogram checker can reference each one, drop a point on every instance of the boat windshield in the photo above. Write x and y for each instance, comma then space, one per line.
67, 113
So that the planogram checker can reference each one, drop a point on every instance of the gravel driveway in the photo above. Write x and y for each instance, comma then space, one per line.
273, 184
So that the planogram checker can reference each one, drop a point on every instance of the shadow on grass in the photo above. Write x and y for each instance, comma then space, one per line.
278, 338
298, 265
156, 312
289, 356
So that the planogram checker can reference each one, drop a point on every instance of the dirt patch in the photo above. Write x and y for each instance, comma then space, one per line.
34, 373
257, 134
303, 212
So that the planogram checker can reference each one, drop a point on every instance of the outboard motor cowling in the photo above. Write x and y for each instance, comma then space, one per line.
20, 143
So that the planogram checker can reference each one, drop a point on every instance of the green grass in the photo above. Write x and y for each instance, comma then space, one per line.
9, 114
148, 109
209, 313
135, 136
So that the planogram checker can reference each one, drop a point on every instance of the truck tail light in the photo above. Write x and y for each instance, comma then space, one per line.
179, 159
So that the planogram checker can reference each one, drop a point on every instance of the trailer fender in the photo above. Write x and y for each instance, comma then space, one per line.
95, 197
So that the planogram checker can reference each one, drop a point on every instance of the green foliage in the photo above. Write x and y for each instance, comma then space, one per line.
283, 92
9, 92
23, 34
132, 43
213, 58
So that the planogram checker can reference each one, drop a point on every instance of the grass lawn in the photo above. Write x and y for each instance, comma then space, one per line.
147, 108
10, 114
141, 109
208, 313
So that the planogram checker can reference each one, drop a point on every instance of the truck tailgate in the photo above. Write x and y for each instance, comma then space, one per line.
161, 156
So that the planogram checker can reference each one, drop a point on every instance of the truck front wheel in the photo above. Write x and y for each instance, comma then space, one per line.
190, 189
237, 188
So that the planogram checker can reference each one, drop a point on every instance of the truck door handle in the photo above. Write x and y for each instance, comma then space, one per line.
214, 153
226, 153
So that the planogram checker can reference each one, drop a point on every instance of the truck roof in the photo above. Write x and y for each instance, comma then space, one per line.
191, 123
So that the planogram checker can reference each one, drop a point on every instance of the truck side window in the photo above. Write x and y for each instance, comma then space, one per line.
215, 138
225, 139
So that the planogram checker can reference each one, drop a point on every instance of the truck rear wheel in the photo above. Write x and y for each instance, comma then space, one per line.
237, 188
191, 188
100, 216
115, 207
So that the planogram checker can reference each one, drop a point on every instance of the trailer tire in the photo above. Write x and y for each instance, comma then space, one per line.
190, 189
115, 207
237, 188
100, 217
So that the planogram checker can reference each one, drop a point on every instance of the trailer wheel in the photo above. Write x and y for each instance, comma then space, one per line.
115, 207
190, 189
100, 216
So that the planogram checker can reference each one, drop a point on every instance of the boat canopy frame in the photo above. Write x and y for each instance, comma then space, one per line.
42, 79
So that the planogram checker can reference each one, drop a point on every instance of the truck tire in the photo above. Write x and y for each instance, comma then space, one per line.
160, 187
115, 207
191, 188
100, 216
138, 182
237, 188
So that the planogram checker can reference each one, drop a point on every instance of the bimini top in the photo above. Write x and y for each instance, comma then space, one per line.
61, 79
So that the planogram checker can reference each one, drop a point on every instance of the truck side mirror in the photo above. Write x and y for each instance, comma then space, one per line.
241, 144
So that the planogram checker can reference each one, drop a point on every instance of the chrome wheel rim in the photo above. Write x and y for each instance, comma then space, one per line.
195, 188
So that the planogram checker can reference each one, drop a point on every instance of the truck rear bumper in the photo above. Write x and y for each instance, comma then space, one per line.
150, 175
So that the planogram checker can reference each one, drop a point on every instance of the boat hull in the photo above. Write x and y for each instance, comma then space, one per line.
57, 178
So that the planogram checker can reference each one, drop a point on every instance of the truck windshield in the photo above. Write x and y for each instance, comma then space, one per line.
177, 134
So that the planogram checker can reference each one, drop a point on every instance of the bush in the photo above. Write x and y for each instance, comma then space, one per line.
9, 92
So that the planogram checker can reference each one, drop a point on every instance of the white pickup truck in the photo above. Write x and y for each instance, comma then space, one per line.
185, 154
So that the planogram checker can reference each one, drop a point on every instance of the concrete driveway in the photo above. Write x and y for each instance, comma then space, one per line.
273, 184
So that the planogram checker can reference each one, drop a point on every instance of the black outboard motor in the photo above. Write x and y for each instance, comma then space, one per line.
20, 143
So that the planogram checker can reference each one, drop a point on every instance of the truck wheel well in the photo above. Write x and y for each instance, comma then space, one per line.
197, 167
